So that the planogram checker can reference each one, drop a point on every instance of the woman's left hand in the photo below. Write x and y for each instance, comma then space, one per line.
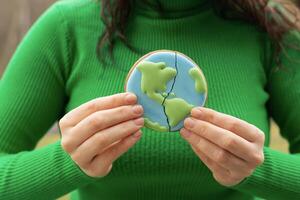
230, 147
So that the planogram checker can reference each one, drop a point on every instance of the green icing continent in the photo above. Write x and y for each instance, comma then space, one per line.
176, 109
200, 85
155, 77
154, 125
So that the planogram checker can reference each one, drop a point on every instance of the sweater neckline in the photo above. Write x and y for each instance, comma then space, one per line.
170, 8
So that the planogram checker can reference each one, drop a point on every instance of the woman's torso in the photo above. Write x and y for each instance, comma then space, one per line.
162, 165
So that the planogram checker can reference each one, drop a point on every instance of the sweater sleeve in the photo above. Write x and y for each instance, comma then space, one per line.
32, 98
279, 176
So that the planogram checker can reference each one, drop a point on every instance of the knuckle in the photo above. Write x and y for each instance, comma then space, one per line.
203, 129
101, 141
209, 112
96, 121
221, 157
233, 125
210, 116
229, 143
258, 158
115, 151
199, 145
62, 123
93, 122
92, 106
66, 145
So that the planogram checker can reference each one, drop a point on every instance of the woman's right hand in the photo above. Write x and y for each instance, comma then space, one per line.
96, 133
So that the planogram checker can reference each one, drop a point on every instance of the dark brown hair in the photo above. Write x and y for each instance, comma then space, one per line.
276, 17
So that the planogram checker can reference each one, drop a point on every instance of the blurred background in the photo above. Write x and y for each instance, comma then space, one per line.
16, 17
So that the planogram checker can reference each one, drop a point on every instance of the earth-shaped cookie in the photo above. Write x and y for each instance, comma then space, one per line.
168, 85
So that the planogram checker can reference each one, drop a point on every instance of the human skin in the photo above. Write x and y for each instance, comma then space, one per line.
230, 147
96, 133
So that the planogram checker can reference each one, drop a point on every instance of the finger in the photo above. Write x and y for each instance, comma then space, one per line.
101, 103
101, 120
221, 174
215, 153
221, 137
101, 140
106, 158
230, 123
213, 166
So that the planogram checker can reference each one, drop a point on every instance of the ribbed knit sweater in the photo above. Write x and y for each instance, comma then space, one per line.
55, 69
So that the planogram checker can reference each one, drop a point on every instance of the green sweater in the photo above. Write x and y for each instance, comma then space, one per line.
56, 69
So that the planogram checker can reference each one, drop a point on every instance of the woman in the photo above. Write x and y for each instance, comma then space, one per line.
222, 151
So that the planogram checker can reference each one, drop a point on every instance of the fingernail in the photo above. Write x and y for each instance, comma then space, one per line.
137, 134
197, 112
130, 98
189, 122
139, 121
137, 109
185, 133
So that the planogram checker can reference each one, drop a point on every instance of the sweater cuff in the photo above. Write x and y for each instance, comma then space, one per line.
72, 169
47, 172
277, 178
